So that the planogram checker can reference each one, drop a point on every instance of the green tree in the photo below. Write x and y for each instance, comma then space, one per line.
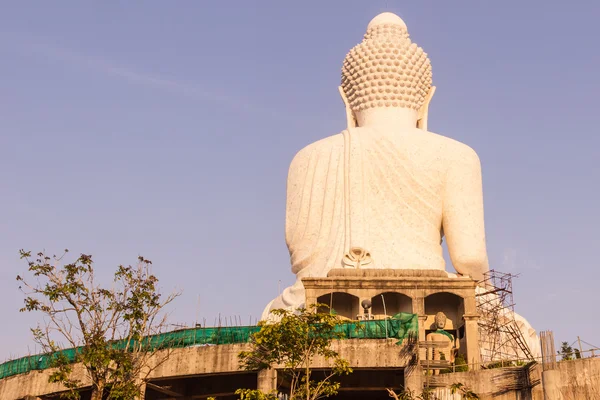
426, 394
566, 351
465, 392
107, 327
460, 363
291, 345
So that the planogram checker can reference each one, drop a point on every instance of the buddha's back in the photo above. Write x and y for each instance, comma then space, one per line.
384, 192
381, 190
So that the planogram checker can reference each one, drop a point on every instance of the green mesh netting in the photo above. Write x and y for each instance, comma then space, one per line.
401, 326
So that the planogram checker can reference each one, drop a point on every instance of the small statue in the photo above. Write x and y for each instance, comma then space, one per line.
440, 336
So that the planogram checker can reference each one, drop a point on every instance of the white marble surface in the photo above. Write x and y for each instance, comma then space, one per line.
385, 186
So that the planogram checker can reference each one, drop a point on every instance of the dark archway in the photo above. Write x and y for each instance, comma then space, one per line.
390, 303
449, 303
343, 304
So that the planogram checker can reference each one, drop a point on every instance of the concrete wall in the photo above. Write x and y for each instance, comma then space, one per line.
35, 383
580, 379
195, 361
498, 384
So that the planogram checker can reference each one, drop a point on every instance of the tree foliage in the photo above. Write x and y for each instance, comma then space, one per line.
566, 351
465, 392
428, 394
291, 345
107, 327
253, 394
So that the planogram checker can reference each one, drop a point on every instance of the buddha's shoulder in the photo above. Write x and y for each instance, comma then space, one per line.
436, 145
321, 147
450, 149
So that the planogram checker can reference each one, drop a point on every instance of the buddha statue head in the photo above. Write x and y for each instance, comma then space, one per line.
386, 75
440, 320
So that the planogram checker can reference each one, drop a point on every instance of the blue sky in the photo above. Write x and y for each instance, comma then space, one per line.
166, 130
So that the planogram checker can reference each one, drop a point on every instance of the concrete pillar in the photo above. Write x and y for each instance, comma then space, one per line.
418, 307
418, 302
472, 339
470, 304
267, 380
413, 379
422, 352
550, 380
422, 327
310, 297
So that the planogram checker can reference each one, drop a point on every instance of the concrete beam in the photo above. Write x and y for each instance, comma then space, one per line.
163, 390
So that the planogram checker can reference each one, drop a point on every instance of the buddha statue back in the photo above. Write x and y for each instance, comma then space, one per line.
383, 193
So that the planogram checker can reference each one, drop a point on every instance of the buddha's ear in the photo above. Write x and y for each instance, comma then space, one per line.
424, 111
350, 117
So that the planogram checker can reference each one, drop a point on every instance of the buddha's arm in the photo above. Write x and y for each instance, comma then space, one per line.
463, 216
296, 181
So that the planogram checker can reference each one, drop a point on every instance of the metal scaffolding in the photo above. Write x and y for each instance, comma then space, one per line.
500, 337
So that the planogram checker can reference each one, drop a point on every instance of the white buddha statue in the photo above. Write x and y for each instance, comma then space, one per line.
383, 193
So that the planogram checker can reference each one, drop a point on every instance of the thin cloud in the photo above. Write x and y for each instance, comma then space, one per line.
133, 76
509, 259
513, 260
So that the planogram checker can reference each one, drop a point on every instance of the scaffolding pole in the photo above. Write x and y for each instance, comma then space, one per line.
499, 335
